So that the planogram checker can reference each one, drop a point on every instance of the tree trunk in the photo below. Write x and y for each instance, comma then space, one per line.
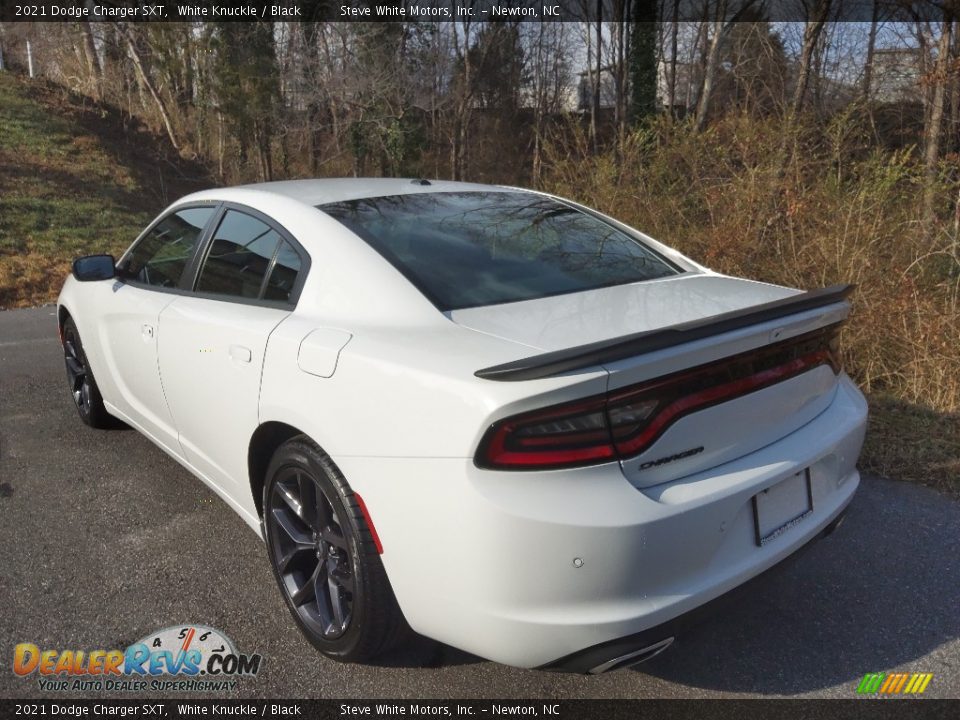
811, 34
871, 51
953, 122
597, 76
537, 167
539, 100
164, 115
710, 70
618, 69
643, 62
459, 155
931, 154
220, 144
672, 80
94, 69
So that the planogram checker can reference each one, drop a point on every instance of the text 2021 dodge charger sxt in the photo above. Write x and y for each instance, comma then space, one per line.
518, 425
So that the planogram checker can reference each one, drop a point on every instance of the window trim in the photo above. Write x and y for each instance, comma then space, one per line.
191, 272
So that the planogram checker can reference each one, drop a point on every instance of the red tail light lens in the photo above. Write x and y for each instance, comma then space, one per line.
626, 422
562, 436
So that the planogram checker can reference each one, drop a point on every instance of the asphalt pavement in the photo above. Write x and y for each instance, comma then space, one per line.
104, 539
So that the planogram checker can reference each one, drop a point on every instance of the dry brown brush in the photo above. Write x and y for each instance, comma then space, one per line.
819, 206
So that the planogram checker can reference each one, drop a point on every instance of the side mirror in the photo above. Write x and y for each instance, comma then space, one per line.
94, 267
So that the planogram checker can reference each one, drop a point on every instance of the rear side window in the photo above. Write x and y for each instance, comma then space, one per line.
281, 280
248, 259
469, 249
161, 256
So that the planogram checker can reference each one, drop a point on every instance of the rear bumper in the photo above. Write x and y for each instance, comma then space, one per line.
642, 646
532, 569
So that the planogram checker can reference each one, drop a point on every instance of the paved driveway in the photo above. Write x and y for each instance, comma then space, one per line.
103, 539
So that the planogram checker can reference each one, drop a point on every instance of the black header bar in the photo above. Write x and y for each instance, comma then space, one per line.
453, 10
175, 709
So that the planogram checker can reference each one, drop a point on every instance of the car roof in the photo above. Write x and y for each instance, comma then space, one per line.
329, 190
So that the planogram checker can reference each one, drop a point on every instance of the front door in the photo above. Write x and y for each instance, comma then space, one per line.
149, 275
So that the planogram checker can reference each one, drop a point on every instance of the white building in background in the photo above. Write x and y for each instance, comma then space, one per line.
684, 94
896, 75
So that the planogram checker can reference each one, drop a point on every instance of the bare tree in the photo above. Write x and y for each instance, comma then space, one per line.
933, 130
463, 102
813, 28
672, 75
871, 52
147, 83
723, 20
548, 73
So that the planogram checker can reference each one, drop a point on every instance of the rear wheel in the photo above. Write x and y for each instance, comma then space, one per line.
324, 558
80, 380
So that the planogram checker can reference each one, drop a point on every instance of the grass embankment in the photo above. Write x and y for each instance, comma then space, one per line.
75, 178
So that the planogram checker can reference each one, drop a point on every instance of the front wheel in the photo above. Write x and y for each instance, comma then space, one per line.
82, 384
324, 558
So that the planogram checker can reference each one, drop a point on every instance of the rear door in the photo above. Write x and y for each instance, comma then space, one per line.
149, 276
214, 340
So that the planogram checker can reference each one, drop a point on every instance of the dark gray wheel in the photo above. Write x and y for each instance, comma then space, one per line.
324, 557
80, 380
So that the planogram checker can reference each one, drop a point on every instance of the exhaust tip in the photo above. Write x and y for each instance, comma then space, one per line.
632, 658
834, 524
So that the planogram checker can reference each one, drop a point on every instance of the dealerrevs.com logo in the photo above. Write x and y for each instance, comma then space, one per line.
187, 658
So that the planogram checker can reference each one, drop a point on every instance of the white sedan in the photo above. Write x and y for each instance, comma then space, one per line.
494, 416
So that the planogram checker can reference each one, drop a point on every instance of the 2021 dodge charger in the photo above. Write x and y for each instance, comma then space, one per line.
495, 416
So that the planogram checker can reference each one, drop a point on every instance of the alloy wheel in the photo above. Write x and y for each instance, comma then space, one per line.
77, 375
311, 553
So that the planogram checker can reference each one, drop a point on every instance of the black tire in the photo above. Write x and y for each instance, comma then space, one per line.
83, 386
324, 558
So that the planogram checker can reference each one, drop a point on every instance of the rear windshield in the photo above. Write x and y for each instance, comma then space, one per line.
468, 249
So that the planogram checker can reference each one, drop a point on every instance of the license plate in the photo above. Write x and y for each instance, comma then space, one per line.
780, 507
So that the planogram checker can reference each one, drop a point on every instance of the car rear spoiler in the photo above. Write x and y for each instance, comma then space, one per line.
604, 351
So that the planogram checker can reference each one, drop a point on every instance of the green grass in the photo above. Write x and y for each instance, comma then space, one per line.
75, 178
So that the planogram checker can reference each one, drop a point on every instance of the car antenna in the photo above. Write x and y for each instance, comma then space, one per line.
419, 181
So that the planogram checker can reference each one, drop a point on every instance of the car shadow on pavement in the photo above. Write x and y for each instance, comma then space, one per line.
881, 592
421, 652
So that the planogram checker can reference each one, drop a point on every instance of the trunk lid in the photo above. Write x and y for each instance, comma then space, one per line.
717, 432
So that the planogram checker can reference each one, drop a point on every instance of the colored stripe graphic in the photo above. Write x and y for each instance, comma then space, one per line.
870, 683
888, 683
894, 683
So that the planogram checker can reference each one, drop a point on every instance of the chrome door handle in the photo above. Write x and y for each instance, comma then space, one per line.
240, 353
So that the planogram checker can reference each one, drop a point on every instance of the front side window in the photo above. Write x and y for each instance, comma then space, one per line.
248, 259
161, 256
468, 249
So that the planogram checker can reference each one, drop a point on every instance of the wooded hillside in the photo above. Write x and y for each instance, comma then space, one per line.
802, 153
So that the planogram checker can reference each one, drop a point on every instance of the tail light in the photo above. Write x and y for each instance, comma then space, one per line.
625, 422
